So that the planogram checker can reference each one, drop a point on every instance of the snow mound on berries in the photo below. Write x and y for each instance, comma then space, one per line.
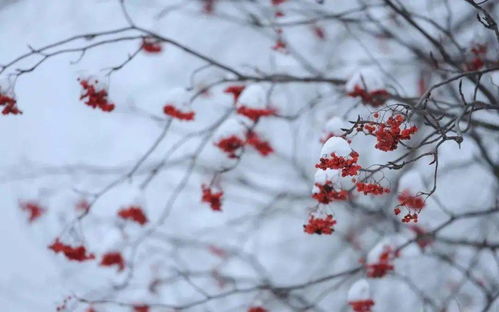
322, 176
359, 291
153, 99
99, 83
230, 127
214, 157
178, 98
6, 87
379, 249
253, 96
336, 145
285, 63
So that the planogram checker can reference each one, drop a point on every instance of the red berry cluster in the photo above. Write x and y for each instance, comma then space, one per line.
410, 217
232, 144
396, 211
328, 194
319, 32
383, 266
34, 209
214, 199
371, 188
389, 134
255, 114
349, 167
83, 205
151, 45
95, 98
141, 308
113, 258
477, 62
279, 13
208, 6
9, 104
252, 113
257, 309
422, 238
278, 2
133, 213
374, 98
172, 111
78, 253
361, 305
413, 202
280, 46
218, 251
479, 49
263, 147
235, 90
320, 225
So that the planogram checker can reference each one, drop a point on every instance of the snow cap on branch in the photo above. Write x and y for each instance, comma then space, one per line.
252, 104
359, 291
179, 97
323, 176
231, 127
253, 96
178, 105
378, 250
336, 145
97, 81
230, 138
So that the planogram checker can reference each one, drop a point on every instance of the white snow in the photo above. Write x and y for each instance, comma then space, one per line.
360, 290
336, 145
100, 83
366, 77
230, 127
253, 96
70, 147
284, 63
411, 181
6, 87
322, 176
378, 249
208, 76
494, 78
153, 99
334, 125
179, 98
